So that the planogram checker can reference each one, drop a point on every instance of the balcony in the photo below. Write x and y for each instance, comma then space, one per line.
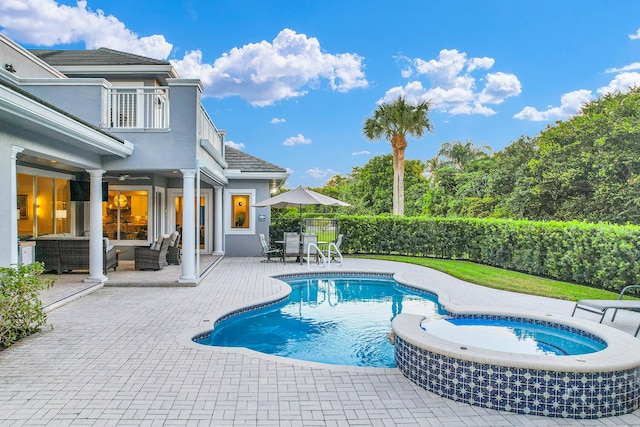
138, 108
210, 137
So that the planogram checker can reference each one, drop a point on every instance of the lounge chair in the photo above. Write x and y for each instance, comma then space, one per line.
601, 306
267, 250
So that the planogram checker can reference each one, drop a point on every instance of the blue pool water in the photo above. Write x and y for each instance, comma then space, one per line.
512, 336
344, 320
341, 320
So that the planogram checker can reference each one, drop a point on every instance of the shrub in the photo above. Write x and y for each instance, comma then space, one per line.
20, 307
600, 255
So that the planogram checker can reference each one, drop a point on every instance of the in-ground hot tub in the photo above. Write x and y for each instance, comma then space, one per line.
592, 385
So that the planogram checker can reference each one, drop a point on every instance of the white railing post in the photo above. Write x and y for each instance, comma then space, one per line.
139, 107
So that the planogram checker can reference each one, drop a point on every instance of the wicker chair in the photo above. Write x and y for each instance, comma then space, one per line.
173, 252
152, 259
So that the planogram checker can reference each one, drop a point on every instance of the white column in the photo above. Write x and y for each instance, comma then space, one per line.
218, 247
96, 274
188, 228
13, 214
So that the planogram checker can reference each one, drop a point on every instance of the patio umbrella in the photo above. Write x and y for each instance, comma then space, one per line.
299, 197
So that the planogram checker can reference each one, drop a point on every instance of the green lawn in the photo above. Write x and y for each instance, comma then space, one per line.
507, 280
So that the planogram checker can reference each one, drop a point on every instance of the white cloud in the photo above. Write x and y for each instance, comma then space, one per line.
265, 72
319, 173
631, 67
48, 23
237, 146
570, 104
276, 120
360, 153
635, 36
480, 63
299, 139
406, 73
621, 83
499, 86
453, 88
261, 73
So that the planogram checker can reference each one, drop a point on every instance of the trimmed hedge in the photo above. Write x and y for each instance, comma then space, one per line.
600, 255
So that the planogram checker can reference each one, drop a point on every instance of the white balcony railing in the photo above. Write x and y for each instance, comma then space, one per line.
209, 132
139, 108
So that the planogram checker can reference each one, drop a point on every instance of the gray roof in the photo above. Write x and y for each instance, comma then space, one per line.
102, 56
244, 162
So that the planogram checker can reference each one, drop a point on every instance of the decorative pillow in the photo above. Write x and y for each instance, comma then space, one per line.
158, 243
173, 237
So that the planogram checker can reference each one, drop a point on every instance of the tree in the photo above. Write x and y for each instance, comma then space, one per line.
459, 155
393, 122
587, 167
368, 188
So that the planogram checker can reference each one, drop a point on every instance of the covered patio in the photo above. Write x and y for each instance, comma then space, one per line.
71, 285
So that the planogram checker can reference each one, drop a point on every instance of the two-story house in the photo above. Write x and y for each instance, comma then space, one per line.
111, 144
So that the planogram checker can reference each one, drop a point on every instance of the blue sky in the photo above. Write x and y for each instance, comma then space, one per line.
293, 81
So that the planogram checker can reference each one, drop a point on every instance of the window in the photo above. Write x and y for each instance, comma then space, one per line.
43, 205
240, 213
125, 215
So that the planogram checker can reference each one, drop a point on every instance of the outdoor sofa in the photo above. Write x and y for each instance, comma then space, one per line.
64, 252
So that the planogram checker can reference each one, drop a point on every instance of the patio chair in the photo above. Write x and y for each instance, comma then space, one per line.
307, 239
147, 258
333, 252
291, 246
173, 251
267, 250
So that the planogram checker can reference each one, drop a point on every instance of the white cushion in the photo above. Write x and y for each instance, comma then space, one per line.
158, 243
174, 237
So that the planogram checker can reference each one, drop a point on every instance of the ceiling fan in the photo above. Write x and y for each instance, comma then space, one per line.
126, 176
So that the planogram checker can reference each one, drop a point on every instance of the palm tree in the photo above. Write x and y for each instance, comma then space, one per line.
459, 155
393, 121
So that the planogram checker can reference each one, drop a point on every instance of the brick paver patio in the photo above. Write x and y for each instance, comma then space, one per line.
118, 357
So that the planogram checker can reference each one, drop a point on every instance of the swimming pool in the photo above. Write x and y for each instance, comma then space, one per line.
341, 320
345, 320
514, 336
599, 384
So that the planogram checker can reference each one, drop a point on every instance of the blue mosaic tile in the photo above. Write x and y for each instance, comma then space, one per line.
581, 395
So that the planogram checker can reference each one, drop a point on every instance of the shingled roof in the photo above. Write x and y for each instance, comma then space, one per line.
102, 56
244, 162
